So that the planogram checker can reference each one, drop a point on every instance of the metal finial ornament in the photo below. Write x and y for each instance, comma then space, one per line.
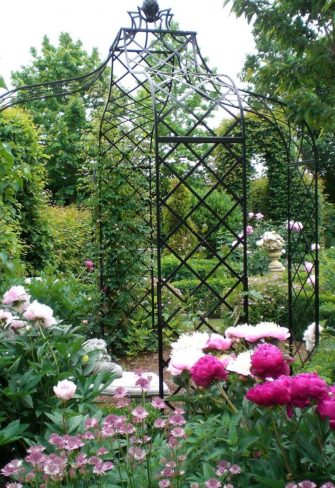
151, 10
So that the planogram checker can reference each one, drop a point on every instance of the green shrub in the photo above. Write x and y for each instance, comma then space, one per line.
72, 235
72, 299
258, 195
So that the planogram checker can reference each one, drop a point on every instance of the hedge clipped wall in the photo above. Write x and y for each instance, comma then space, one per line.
22, 199
71, 236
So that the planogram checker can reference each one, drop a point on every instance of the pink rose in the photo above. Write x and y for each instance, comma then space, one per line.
271, 393
306, 387
89, 265
208, 369
268, 362
65, 389
218, 342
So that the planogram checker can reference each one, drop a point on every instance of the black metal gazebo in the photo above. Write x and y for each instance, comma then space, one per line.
159, 124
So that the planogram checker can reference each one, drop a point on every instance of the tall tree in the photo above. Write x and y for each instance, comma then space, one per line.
295, 56
63, 121
295, 60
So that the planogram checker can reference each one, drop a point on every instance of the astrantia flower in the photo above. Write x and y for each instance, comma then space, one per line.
137, 453
271, 393
213, 483
16, 297
12, 468
241, 364
139, 413
267, 361
40, 313
218, 342
65, 389
208, 369
158, 402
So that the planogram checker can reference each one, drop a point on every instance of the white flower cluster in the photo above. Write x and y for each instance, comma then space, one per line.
271, 241
309, 336
17, 300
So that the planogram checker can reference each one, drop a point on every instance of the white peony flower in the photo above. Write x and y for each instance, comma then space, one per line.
309, 336
196, 340
183, 360
241, 364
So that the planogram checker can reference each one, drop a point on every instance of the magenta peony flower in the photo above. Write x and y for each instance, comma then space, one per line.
208, 369
271, 393
306, 387
326, 408
89, 265
268, 362
65, 389
218, 342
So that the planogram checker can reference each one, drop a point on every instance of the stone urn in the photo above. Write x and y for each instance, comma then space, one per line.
275, 266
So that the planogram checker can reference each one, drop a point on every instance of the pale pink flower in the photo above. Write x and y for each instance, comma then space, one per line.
315, 247
183, 360
177, 419
120, 392
137, 453
65, 389
160, 423
16, 297
14, 485
17, 324
218, 342
178, 432
158, 402
253, 333
213, 483
259, 216
311, 279
102, 467
140, 413
11, 468
40, 313
5, 316
249, 230
251, 215
143, 382
164, 483
308, 266
294, 226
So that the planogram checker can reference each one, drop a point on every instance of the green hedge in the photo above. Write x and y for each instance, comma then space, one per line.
201, 266
71, 236
203, 300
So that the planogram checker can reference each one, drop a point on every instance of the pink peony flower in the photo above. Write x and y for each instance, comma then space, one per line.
271, 393
208, 369
311, 279
294, 226
249, 230
251, 215
268, 362
183, 360
308, 266
65, 389
326, 408
253, 333
40, 313
16, 297
218, 342
5, 316
259, 216
89, 265
306, 387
